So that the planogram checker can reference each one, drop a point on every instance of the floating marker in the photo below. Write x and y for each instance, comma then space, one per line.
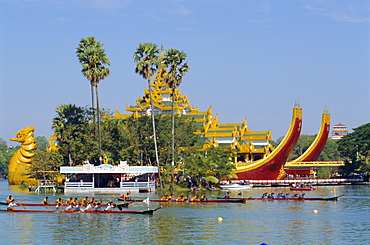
219, 218
315, 211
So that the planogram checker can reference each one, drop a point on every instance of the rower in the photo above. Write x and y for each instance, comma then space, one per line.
165, 196
76, 207
12, 205
59, 201
195, 197
9, 199
301, 196
45, 201
285, 196
264, 195
97, 207
180, 197
85, 200
69, 207
89, 207
226, 195
69, 201
127, 196
170, 197
203, 197
109, 206
295, 196
58, 207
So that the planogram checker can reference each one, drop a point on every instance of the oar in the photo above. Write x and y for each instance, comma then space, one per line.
20, 204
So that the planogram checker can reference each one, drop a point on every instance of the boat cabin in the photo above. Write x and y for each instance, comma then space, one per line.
107, 178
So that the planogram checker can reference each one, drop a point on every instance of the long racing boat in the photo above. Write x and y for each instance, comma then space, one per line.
229, 200
119, 205
334, 198
149, 211
302, 188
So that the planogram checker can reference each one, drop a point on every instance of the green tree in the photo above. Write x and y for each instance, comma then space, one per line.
355, 148
147, 62
75, 133
330, 151
301, 146
6, 153
45, 165
212, 162
42, 143
174, 61
93, 59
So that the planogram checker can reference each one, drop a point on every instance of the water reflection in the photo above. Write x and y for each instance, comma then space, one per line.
255, 222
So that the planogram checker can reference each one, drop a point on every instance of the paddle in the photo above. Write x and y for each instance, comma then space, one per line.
20, 204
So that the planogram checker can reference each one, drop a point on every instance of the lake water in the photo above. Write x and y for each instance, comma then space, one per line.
346, 221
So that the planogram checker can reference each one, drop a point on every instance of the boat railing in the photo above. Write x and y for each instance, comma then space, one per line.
138, 184
79, 184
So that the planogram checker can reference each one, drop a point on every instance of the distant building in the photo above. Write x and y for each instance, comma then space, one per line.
339, 131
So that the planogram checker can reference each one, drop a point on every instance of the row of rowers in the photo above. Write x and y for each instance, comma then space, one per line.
281, 195
182, 197
72, 201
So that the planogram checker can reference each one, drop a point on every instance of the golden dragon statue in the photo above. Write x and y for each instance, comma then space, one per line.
18, 165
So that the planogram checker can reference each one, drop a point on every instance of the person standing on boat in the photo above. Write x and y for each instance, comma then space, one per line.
45, 201
9, 199
12, 205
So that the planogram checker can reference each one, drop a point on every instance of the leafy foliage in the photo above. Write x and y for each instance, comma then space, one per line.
355, 148
6, 154
214, 162
329, 153
45, 165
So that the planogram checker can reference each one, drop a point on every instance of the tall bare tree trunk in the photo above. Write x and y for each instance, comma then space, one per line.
173, 137
154, 134
98, 114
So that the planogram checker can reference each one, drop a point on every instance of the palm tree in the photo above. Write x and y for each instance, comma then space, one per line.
93, 60
146, 58
173, 60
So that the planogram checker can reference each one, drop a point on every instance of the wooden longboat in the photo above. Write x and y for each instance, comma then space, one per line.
149, 211
302, 188
122, 205
334, 198
231, 200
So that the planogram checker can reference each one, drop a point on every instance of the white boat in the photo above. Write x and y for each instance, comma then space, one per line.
237, 187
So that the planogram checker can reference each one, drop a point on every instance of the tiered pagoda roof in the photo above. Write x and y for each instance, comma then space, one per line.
251, 145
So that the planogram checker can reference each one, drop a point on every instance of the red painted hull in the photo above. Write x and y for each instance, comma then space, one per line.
150, 211
313, 152
271, 167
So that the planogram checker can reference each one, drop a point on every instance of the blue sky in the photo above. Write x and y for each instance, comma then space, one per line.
248, 59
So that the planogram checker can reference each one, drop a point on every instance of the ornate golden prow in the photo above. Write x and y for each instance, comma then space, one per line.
18, 165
